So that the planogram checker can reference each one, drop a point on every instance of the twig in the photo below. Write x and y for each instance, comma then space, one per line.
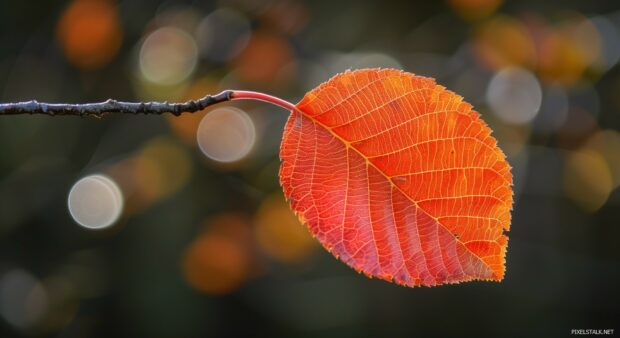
112, 106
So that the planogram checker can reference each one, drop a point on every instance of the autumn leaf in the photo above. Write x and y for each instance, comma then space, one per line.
399, 178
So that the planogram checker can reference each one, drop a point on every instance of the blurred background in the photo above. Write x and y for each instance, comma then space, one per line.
161, 226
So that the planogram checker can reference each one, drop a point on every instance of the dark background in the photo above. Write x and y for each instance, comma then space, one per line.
208, 249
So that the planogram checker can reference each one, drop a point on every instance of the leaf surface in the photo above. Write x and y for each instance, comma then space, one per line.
399, 178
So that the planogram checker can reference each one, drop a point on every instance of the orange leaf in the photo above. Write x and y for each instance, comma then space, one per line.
399, 178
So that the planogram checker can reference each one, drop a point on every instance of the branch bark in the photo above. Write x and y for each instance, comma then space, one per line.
112, 106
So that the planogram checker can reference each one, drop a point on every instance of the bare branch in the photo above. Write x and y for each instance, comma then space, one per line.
112, 106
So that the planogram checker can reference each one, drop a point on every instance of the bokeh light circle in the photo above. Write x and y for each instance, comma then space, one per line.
23, 300
610, 49
226, 134
280, 233
222, 34
588, 180
90, 33
553, 109
514, 94
168, 56
95, 202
